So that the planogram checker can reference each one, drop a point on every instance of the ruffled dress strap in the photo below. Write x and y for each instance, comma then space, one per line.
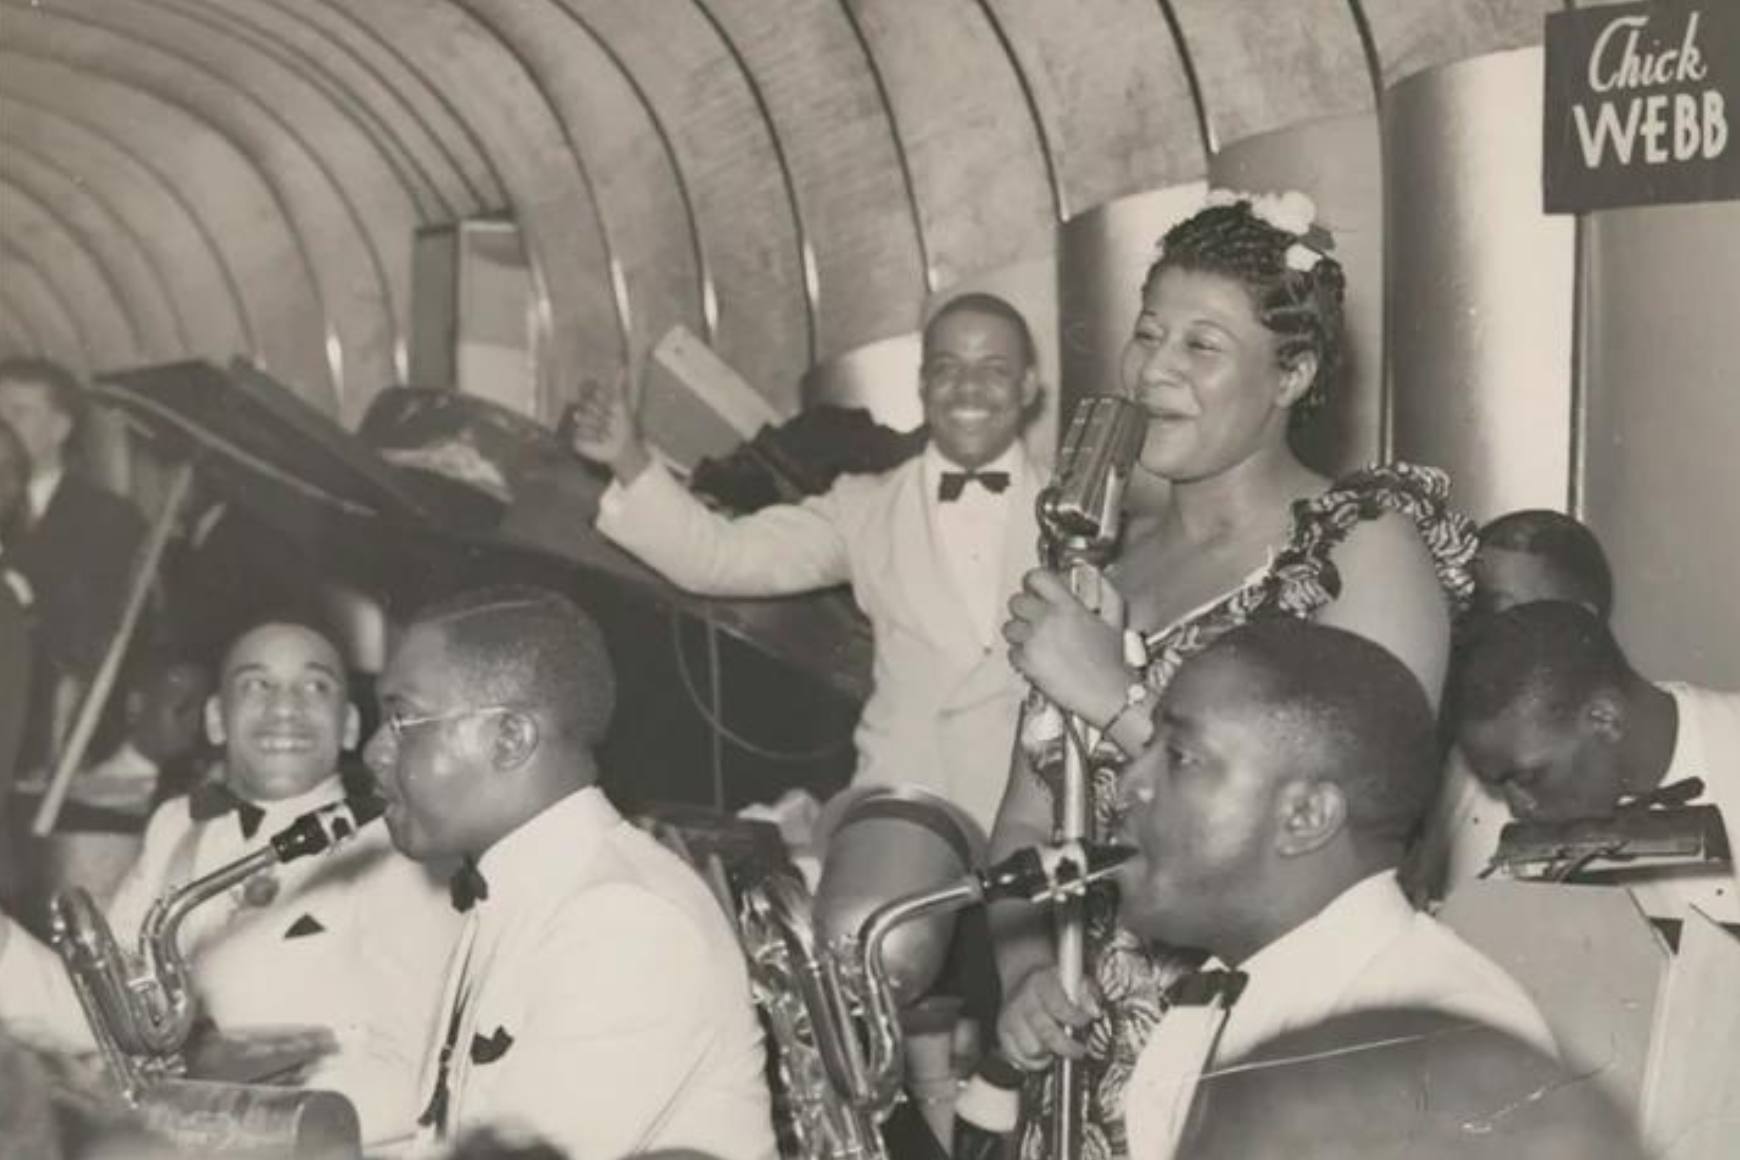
1304, 578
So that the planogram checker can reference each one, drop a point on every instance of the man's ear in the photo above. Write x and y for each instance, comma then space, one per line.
1297, 377
516, 739
214, 722
1604, 715
352, 727
1311, 812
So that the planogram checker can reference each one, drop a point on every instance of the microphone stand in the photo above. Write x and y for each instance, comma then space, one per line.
1080, 517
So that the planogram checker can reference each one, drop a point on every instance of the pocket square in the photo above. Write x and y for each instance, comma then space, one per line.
306, 925
491, 1049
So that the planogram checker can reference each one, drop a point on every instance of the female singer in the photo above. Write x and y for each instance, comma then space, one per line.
1238, 335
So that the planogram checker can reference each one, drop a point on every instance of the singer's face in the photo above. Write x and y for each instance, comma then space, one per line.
1200, 805
975, 382
281, 713
1205, 369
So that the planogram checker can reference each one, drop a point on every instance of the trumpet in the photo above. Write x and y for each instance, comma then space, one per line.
141, 1007
835, 1006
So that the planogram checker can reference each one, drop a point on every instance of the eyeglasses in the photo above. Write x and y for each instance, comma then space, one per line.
396, 723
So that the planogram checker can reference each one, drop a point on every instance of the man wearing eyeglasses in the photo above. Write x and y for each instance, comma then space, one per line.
345, 947
597, 996
933, 549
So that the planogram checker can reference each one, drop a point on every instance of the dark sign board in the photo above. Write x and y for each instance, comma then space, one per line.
1640, 105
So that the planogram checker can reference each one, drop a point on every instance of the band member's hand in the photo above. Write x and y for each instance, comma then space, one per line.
1036, 1021
600, 427
1070, 654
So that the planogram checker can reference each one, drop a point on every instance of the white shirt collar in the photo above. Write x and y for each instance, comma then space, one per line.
565, 831
42, 488
1688, 757
1320, 947
282, 812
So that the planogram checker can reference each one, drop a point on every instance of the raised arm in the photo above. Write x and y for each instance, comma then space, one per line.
778, 551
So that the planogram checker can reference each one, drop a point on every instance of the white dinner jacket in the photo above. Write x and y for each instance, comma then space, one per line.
944, 704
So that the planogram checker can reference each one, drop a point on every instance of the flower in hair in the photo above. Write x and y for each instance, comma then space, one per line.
1291, 212
1302, 258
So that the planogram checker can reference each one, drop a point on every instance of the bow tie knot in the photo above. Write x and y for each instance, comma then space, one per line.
214, 799
955, 482
1202, 988
468, 886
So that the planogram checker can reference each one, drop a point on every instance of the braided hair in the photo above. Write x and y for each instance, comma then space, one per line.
1301, 307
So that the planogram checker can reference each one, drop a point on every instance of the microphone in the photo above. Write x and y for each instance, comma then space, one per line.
1081, 511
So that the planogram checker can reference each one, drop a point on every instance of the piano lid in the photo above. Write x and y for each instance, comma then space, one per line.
439, 484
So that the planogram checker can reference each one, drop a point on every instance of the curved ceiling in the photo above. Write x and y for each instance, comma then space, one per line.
790, 178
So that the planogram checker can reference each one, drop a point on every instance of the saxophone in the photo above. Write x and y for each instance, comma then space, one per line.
141, 1011
834, 1006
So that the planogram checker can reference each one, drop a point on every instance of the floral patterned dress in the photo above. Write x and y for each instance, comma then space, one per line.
1300, 579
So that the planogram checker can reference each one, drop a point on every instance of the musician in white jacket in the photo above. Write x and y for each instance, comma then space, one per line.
347, 941
933, 549
597, 996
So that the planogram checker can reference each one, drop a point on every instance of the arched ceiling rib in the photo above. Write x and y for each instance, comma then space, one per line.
1263, 64
83, 213
725, 150
791, 178
1113, 93
956, 113
463, 59
628, 171
200, 282
34, 231
264, 112
429, 110
49, 316
823, 106
230, 198
296, 48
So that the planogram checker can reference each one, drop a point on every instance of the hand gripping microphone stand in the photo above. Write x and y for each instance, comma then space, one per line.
1080, 517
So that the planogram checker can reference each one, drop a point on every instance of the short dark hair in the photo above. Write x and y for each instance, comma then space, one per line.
979, 302
522, 645
64, 391
1549, 657
1359, 711
306, 618
1303, 308
1568, 548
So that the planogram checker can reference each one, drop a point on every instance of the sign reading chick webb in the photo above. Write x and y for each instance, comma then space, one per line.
1640, 105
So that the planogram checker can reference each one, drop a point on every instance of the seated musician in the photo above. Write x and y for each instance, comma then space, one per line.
1395, 1083
1551, 715
597, 997
1523, 557
344, 941
1289, 765
932, 549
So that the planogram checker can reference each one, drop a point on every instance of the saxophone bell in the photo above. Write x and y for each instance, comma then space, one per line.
836, 978
141, 1006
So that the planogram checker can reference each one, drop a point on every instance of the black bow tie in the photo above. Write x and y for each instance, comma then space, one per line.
467, 887
955, 482
1202, 988
214, 799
